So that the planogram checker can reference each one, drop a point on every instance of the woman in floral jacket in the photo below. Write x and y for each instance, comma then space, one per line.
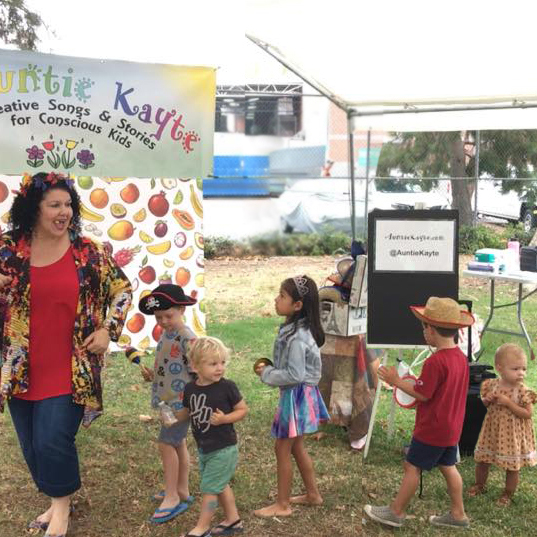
63, 300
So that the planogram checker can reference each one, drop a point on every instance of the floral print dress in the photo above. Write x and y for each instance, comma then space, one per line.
505, 439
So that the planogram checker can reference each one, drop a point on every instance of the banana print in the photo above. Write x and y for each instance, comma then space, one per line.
195, 201
88, 214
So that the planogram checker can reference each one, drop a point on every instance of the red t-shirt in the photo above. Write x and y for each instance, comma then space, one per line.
444, 381
53, 303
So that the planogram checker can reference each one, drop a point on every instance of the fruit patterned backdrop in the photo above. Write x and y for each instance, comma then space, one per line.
153, 229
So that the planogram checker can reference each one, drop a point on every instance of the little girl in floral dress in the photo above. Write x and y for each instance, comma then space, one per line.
507, 436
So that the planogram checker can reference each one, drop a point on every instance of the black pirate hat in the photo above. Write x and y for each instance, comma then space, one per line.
164, 297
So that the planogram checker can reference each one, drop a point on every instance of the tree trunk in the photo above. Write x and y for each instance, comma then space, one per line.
461, 189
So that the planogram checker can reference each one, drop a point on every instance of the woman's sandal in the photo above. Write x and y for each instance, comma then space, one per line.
223, 530
476, 490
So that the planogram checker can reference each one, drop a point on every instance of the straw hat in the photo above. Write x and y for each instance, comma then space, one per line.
443, 312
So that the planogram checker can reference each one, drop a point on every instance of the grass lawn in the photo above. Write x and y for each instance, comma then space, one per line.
120, 469
382, 470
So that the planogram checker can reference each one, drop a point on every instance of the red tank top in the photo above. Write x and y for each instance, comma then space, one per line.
53, 303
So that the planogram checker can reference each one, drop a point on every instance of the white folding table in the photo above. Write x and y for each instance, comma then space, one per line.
519, 277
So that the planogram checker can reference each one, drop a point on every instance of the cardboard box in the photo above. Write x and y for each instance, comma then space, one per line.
348, 319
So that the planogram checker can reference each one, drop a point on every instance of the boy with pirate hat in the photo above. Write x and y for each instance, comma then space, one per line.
170, 374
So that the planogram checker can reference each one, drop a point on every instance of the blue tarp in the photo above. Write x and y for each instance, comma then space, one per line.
227, 188
241, 166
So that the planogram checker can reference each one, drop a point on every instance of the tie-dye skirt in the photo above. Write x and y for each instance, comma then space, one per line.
300, 410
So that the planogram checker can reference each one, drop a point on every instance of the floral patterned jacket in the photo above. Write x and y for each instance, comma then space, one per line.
104, 299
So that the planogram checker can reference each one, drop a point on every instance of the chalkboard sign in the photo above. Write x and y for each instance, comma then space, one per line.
412, 255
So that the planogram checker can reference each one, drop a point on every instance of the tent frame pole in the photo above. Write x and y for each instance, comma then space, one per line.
366, 202
352, 177
476, 167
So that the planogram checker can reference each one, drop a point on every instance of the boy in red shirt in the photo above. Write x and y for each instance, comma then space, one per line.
441, 394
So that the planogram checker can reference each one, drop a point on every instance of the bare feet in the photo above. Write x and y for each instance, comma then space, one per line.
305, 499
273, 510
504, 500
476, 490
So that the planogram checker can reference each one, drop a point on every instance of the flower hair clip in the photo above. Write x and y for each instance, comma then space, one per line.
301, 285
25, 185
50, 180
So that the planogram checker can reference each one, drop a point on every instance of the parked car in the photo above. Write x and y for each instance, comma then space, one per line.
312, 205
511, 206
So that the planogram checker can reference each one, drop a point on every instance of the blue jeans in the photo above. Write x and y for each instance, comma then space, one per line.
46, 431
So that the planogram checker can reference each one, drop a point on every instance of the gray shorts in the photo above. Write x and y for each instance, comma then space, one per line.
175, 434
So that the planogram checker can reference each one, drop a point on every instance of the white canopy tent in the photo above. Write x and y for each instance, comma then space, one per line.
408, 66
388, 62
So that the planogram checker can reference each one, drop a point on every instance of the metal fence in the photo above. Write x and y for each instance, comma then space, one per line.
288, 141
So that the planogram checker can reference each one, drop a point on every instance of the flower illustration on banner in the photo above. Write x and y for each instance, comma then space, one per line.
67, 162
35, 156
53, 158
85, 158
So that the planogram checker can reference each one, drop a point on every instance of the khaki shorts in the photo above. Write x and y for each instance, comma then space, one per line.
217, 468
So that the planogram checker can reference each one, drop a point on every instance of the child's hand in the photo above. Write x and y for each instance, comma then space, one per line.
388, 374
147, 373
489, 399
218, 417
502, 399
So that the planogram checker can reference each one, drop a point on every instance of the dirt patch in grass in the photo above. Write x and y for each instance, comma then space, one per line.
247, 287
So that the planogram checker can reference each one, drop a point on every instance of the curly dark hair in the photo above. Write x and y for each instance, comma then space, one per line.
25, 208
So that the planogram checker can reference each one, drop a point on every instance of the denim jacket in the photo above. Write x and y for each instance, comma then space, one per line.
296, 358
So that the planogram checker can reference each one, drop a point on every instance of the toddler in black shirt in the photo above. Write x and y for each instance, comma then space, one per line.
213, 405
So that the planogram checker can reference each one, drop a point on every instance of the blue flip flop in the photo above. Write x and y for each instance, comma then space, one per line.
170, 512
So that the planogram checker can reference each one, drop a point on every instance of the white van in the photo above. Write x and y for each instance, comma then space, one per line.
509, 206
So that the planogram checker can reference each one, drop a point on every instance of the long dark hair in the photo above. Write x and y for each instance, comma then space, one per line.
310, 306
25, 208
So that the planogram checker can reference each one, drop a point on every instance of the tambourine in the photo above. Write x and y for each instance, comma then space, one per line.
262, 361
402, 398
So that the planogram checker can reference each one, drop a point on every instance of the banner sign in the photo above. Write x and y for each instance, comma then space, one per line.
104, 118
415, 246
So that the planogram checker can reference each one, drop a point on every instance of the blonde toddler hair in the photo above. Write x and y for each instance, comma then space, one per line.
205, 347
507, 350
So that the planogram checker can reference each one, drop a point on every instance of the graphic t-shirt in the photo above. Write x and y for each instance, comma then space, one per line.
201, 402
172, 372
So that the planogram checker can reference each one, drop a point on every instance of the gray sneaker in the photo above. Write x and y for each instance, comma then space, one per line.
448, 521
384, 515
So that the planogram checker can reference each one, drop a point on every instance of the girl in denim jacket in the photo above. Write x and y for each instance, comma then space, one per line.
296, 371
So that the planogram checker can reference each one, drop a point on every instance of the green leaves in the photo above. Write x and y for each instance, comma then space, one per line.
19, 25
